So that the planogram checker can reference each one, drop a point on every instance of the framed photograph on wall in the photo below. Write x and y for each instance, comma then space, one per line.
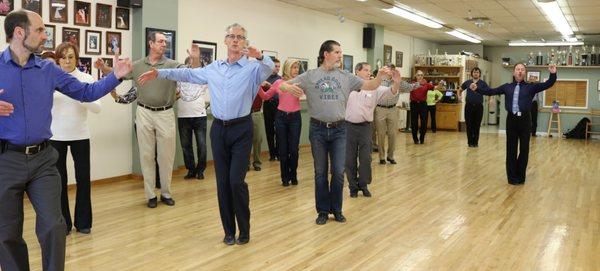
113, 42
32, 5
81, 13
71, 35
387, 55
271, 54
303, 64
170, 34
122, 18
109, 63
348, 63
533, 76
59, 10
103, 15
399, 56
208, 52
85, 65
50, 43
93, 42
6, 6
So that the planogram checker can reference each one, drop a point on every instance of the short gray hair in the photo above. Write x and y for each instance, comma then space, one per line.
236, 25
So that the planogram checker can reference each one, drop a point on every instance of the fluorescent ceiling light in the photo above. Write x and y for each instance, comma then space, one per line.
571, 39
413, 17
463, 36
557, 17
550, 43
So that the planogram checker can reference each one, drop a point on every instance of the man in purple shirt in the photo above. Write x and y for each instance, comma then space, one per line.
27, 164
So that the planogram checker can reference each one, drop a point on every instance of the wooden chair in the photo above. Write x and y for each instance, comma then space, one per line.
594, 122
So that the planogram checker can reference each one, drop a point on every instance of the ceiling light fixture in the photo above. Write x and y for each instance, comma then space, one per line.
556, 16
463, 36
550, 43
409, 15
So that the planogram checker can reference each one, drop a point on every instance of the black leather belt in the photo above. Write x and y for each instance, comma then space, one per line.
151, 108
232, 121
32, 149
327, 124
288, 113
364, 123
387, 106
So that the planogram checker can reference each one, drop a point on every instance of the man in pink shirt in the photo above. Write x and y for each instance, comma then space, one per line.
359, 116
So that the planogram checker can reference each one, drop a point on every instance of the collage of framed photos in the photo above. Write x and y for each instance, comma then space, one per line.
89, 41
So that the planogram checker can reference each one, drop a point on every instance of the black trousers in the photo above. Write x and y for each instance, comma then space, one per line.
431, 112
37, 176
534, 115
358, 155
418, 110
269, 111
473, 116
231, 147
518, 133
195, 127
80, 151
288, 127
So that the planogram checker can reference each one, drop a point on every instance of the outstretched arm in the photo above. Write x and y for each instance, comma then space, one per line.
539, 87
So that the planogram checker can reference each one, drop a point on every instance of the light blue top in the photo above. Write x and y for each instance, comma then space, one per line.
232, 87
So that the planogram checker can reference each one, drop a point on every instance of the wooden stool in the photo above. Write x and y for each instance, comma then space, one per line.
552, 121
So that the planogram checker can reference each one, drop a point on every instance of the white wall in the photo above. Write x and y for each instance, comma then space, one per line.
410, 46
111, 129
272, 25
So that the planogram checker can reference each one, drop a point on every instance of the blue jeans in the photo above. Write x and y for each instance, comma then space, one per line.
287, 130
197, 126
328, 145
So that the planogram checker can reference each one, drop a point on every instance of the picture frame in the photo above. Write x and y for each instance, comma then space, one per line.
71, 35
170, 34
81, 13
303, 64
533, 76
112, 42
85, 65
272, 54
399, 59
348, 63
108, 62
50, 43
59, 11
6, 7
387, 55
122, 18
32, 5
103, 15
93, 42
208, 52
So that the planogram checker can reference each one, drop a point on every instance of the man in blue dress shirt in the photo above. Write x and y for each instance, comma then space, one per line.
27, 163
233, 85
517, 102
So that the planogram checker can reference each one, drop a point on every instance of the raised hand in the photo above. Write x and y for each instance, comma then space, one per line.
473, 87
251, 51
552, 68
266, 85
5, 108
384, 71
99, 63
396, 76
121, 67
293, 89
147, 76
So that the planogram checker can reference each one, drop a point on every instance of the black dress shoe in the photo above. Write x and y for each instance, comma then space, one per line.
68, 232
242, 240
339, 217
190, 175
84, 231
152, 203
322, 218
416, 142
294, 181
200, 176
366, 192
382, 162
257, 168
271, 159
392, 161
285, 183
375, 150
167, 201
353, 193
229, 240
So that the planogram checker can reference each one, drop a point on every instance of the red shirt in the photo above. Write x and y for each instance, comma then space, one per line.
420, 94
257, 103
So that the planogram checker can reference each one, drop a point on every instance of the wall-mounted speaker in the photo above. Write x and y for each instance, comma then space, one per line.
368, 37
130, 3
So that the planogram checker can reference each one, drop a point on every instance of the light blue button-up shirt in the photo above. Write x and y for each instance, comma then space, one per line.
232, 87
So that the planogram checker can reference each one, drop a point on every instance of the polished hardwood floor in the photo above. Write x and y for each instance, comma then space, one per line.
442, 207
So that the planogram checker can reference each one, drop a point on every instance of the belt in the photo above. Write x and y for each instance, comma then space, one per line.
327, 124
288, 113
364, 123
160, 108
387, 106
32, 149
232, 121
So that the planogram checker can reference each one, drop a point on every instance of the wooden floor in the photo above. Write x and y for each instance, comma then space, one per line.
442, 207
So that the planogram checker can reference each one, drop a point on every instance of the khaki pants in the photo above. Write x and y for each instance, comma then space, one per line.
257, 136
386, 123
156, 129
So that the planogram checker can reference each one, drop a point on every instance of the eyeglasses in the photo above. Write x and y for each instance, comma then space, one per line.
239, 37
